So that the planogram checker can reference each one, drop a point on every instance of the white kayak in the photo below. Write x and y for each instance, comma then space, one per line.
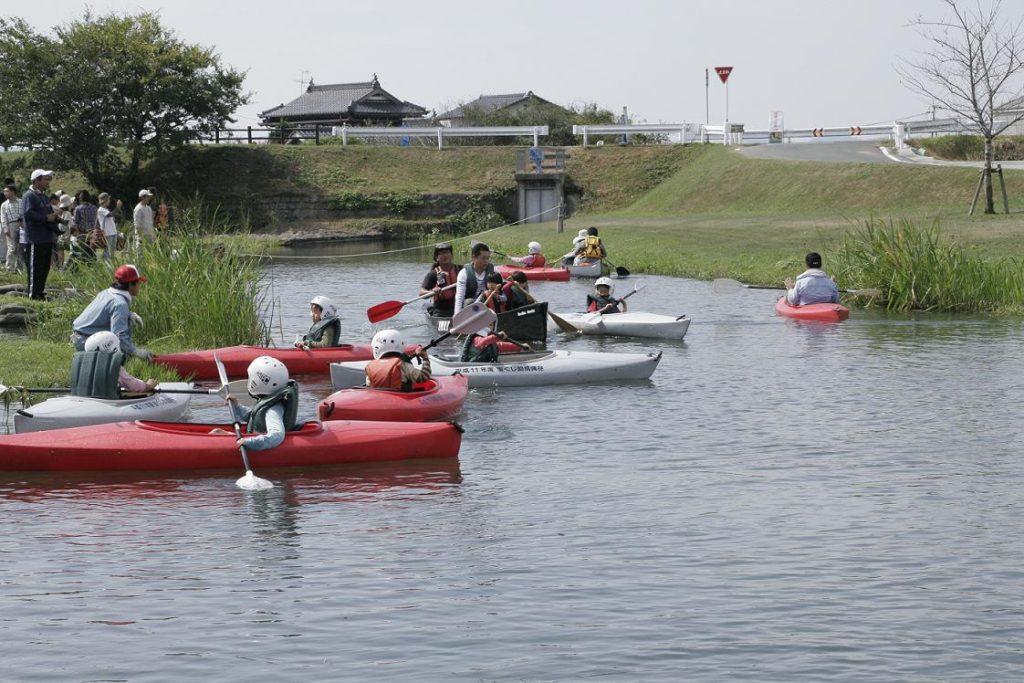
596, 269
638, 324
527, 369
81, 411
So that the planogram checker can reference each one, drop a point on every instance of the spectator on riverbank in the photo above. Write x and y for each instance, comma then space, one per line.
107, 218
143, 218
41, 228
66, 210
10, 223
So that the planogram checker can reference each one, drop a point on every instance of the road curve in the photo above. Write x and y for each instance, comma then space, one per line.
829, 152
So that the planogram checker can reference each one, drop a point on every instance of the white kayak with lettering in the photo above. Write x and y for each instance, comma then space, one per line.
528, 369
638, 324
81, 411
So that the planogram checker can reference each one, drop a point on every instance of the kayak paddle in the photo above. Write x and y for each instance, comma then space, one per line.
565, 325
619, 270
389, 309
726, 285
249, 482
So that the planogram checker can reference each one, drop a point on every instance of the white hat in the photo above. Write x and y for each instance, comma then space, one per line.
534, 247
38, 173
145, 193
66, 200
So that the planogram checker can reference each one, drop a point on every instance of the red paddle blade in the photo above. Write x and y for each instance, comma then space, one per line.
383, 311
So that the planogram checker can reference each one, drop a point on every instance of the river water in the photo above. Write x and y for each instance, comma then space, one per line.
781, 501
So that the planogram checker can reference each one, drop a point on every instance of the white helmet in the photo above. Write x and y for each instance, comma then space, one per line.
107, 342
534, 247
607, 281
266, 375
582, 233
325, 304
387, 341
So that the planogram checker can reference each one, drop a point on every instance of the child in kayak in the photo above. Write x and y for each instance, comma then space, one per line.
813, 286
591, 250
391, 368
109, 343
442, 274
517, 291
326, 329
485, 346
602, 300
494, 298
579, 239
535, 259
277, 405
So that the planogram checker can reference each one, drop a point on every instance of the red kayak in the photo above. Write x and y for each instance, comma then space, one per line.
826, 313
436, 399
182, 446
533, 274
236, 359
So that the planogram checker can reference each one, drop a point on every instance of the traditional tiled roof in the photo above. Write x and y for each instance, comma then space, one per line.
338, 100
489, 103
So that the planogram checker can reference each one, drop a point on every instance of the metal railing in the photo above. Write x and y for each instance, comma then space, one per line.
316, 132
685, 131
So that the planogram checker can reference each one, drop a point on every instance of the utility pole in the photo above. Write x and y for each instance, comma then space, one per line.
707, 95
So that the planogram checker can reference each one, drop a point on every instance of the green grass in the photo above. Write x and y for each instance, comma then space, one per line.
971, 147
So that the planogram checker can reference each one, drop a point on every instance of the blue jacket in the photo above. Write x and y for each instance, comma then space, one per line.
108, 311
275, 428
35, 207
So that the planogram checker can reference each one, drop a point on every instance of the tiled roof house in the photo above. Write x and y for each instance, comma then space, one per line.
356, 104
491, 103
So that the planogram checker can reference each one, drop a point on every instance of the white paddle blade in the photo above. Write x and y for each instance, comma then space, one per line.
250, 482
726, 286
221, 372
473, 317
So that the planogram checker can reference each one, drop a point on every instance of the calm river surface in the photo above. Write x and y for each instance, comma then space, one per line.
780, 501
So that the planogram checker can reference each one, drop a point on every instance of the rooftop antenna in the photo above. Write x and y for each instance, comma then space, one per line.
304, 80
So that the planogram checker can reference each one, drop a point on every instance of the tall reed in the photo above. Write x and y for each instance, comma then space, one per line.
199, 294
919, 270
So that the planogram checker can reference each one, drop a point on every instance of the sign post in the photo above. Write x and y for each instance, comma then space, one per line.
723, 74
775, 127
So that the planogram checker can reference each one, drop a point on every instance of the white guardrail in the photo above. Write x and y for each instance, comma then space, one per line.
693, 132
536, 132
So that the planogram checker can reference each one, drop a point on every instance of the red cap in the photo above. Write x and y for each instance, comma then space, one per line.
128, 274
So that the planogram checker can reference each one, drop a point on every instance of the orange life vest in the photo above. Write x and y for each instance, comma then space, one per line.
385, 373
451, 274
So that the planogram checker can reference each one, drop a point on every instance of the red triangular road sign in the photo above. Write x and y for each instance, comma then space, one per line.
723, 72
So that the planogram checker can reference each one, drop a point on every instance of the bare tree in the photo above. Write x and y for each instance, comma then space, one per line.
973, 68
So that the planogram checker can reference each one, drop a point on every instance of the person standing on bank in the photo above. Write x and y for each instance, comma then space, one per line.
10, 223
143, 216
109, 310
107, 218
472, 279
42, 225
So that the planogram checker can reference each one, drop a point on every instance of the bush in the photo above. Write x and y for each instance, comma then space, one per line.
972, 147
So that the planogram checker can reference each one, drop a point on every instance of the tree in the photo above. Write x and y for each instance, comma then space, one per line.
559, 120
972, 68
104, 94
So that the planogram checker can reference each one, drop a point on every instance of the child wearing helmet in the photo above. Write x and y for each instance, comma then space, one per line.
326, 329
579, 239
109, 343
591, 250
277, 405
534, 259
602, 300
391, 368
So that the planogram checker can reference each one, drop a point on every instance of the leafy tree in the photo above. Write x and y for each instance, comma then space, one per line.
559, 120
104, 94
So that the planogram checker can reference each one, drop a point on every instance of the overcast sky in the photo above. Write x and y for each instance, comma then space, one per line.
821, 62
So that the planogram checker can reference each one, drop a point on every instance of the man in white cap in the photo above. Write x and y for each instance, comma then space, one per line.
42, 225
143, 216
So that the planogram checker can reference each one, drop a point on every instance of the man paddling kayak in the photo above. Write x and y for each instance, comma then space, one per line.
602, 300
591, 250
813, 286
472, 279
109, 311
276, 409
390, 367
102, 375
326, 329
442, 274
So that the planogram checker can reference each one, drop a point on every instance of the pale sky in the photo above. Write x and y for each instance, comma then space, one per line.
822, 62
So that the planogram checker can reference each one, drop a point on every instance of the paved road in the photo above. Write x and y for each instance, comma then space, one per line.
832, 152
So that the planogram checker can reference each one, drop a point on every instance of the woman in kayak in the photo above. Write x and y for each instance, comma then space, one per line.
602, 300
326, 329
277, 405
534, 259
390, 367
591, 250
108, 343
517, 291
472, 279
442, 274
813, 286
